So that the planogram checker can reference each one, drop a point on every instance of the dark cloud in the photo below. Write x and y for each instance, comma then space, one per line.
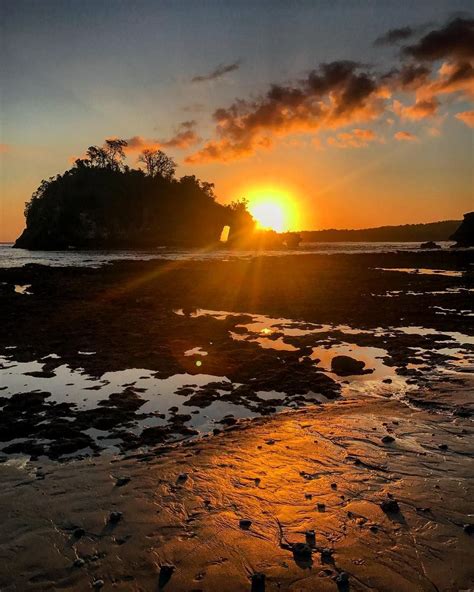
220, 71
395, 35
333, 95
454, 41
184, 137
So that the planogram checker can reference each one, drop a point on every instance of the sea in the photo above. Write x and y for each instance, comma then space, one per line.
10, 257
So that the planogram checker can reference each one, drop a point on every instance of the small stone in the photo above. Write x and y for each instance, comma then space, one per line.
443, 446
121, 481
301, 551
115, 517
308, 496
468, 528
326, 554
388, 439
258, 582
333, 485
390, 506
387, 380
182, 478
321, 507
342, 578
310, 537
98, 584
79, 562
245, 524
79, 533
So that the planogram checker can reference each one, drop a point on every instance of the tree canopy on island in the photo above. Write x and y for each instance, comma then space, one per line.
101, 202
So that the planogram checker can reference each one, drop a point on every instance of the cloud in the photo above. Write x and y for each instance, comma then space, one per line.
466, 117
139, 143
4, 148
453, 41
395, 35
405, 137
185, 136
334, 95
421, 109
357, 138
220, 71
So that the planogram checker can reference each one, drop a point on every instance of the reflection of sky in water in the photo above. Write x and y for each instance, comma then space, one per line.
160, 394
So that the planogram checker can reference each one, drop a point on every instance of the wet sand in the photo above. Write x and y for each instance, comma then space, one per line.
191, 481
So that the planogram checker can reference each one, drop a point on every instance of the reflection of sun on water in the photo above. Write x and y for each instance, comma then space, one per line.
272, 209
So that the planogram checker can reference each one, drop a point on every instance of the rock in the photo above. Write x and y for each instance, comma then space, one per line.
182, 478
245, 524
98, 584
342, 578
346, 366
79, 533
115, 517
258, 582
388, 439
321, 507
390, 506
166, 571
326, 555
468, 528
301, 551
310, 538
464, 235
430, 245
443, 446
121, 481
79, 562
387, 380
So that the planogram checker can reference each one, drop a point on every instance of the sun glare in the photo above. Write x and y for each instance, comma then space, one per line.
272, 209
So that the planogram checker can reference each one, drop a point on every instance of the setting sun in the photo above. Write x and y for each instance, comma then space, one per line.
272, 209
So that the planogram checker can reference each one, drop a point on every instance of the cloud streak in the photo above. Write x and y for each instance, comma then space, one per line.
220, 71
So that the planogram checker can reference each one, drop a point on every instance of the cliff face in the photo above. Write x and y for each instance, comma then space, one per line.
464, 235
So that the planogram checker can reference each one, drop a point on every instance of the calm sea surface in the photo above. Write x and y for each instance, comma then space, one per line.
18, 257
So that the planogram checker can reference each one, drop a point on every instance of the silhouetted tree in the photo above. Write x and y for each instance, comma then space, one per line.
157, 163
115, 152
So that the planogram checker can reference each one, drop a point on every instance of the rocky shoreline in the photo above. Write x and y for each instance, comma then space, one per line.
239, 376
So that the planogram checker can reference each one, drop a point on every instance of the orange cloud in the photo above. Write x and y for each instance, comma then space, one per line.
185, 136
466, 117
421, 109
4, 148
405, 137
138, 143
334, 95
358, 138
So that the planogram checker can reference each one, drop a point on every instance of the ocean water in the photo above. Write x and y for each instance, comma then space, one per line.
10, 257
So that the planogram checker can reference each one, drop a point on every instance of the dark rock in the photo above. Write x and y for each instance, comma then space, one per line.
390, 506
79, 533
430, 245
387, 380
79, 562
258, 582
468, 528
388, 439
245, 524
115, 517
342, 578
166, 571
443, 446
121, 481
310, 537
98, 584
326, 555
301, 551
346, 366
321, 507
464, 235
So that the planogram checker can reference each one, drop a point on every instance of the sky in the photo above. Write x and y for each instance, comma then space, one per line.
352, 113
